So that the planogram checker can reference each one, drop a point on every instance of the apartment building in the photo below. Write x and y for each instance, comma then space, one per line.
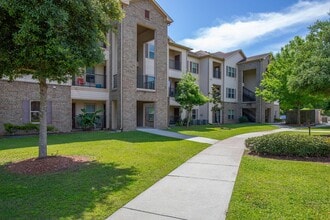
136, 83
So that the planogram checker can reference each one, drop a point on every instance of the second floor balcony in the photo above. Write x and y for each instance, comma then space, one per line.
248, 95
172, 92
90, 80
175, 64
146, 82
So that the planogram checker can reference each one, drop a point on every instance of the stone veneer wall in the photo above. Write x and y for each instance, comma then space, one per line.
13, 94
135, 13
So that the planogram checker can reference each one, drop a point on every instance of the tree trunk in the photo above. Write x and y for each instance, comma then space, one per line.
188, 117
43, 118
298, 116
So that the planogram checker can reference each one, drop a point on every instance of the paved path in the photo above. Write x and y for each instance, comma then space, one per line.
199, 189
178, 136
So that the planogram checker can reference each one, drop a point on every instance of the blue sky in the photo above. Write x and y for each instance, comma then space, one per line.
256, 26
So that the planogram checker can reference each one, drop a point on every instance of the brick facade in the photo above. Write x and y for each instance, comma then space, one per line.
14, 94
135, 15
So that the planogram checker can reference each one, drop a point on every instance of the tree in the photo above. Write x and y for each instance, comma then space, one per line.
216, 101
188, 94
312, 62
51, 40
275, 82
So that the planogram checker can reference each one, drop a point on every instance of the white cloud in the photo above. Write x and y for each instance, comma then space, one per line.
246, 30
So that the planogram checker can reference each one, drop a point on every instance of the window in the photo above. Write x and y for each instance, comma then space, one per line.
194, 114
216, 72
35, 112
150, 51
90, 108
231, 114
230, 93
90, 74
230, 71
193, 67
147, 14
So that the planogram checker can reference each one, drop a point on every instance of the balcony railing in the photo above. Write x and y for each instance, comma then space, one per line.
248, 95
90, 80
175, 64
115, 81
172, 92
100, 122
145, 82
216, 74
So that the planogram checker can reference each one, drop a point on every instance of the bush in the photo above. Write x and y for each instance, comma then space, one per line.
294, 145
243, 119
28, 128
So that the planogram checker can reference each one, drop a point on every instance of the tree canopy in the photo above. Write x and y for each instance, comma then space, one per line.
312, 62
299, 75
52, 40
188, 94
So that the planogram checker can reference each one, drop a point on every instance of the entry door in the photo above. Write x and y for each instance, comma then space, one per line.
149, 115
176, 115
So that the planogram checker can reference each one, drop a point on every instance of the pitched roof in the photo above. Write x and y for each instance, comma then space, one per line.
160, 9
172, 42
229, 54
256, 57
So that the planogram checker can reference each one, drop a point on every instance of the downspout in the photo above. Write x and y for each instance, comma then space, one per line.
121, 76
223, 93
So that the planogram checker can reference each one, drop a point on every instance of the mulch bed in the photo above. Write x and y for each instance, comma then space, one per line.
50, 164
310, 159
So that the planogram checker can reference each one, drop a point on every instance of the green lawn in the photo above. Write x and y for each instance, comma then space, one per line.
280, 189
324, 128
125, 165
224, 131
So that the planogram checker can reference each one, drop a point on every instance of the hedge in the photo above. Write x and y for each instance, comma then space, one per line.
29, 127
294, 145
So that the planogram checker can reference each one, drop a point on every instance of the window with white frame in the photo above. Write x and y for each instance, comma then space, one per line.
150, 50
230, 71
230, 93
194, 114
193, 67
35, 112
231, 114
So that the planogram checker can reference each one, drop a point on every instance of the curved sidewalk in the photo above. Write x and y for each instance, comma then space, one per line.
198, 189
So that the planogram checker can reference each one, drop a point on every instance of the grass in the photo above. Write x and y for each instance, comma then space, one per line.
280, 189
323, 128
125, 165
224, 131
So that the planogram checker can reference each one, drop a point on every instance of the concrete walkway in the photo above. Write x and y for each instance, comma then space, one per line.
178, 136
199, 189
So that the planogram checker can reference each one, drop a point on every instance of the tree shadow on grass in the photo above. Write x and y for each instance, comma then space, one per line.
32, 141
66, 194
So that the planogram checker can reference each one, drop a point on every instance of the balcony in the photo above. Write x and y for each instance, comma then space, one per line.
248, 95
217, 73
115, 81
145, 82
90, 80
172, 92
175, 64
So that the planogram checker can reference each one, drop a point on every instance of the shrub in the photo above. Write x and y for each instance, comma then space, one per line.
29, 127
243, 119
295, 145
